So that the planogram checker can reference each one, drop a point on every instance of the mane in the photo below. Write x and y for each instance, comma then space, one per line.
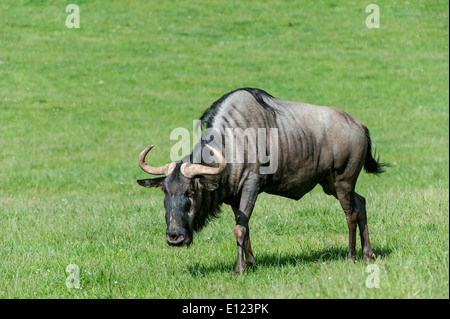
208, 116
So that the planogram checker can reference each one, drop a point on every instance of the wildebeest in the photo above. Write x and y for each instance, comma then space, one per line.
315, 145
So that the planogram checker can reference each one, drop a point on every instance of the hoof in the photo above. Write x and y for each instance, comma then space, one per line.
240, 271
368, 256
250, 264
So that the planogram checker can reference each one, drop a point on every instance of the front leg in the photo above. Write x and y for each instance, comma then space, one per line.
247, 245
241, 231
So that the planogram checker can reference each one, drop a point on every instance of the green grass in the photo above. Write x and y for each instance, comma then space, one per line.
78, 105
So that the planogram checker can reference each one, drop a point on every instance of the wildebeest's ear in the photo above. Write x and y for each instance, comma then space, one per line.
151, 183
207, 184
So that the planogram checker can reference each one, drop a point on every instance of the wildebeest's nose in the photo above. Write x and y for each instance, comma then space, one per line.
174, 238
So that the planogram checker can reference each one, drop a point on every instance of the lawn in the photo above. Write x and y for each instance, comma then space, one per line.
78, 105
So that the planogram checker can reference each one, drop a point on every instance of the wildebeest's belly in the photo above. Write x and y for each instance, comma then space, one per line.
294, 187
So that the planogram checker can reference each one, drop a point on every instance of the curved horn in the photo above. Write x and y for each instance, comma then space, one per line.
162, 170
191, 170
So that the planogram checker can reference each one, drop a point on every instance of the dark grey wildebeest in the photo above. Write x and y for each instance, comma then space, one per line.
312, 145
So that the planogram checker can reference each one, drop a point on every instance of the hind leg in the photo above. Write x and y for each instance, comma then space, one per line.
354, 206
345, 194
362, 225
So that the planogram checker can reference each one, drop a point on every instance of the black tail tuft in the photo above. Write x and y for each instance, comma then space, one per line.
372, 165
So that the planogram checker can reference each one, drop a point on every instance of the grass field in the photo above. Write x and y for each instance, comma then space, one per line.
78, 105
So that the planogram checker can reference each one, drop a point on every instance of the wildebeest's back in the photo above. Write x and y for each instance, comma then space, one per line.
313, 141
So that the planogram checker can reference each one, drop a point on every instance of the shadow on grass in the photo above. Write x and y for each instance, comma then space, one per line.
279, 260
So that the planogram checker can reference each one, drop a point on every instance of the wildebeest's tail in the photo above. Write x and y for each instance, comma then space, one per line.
372, 165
